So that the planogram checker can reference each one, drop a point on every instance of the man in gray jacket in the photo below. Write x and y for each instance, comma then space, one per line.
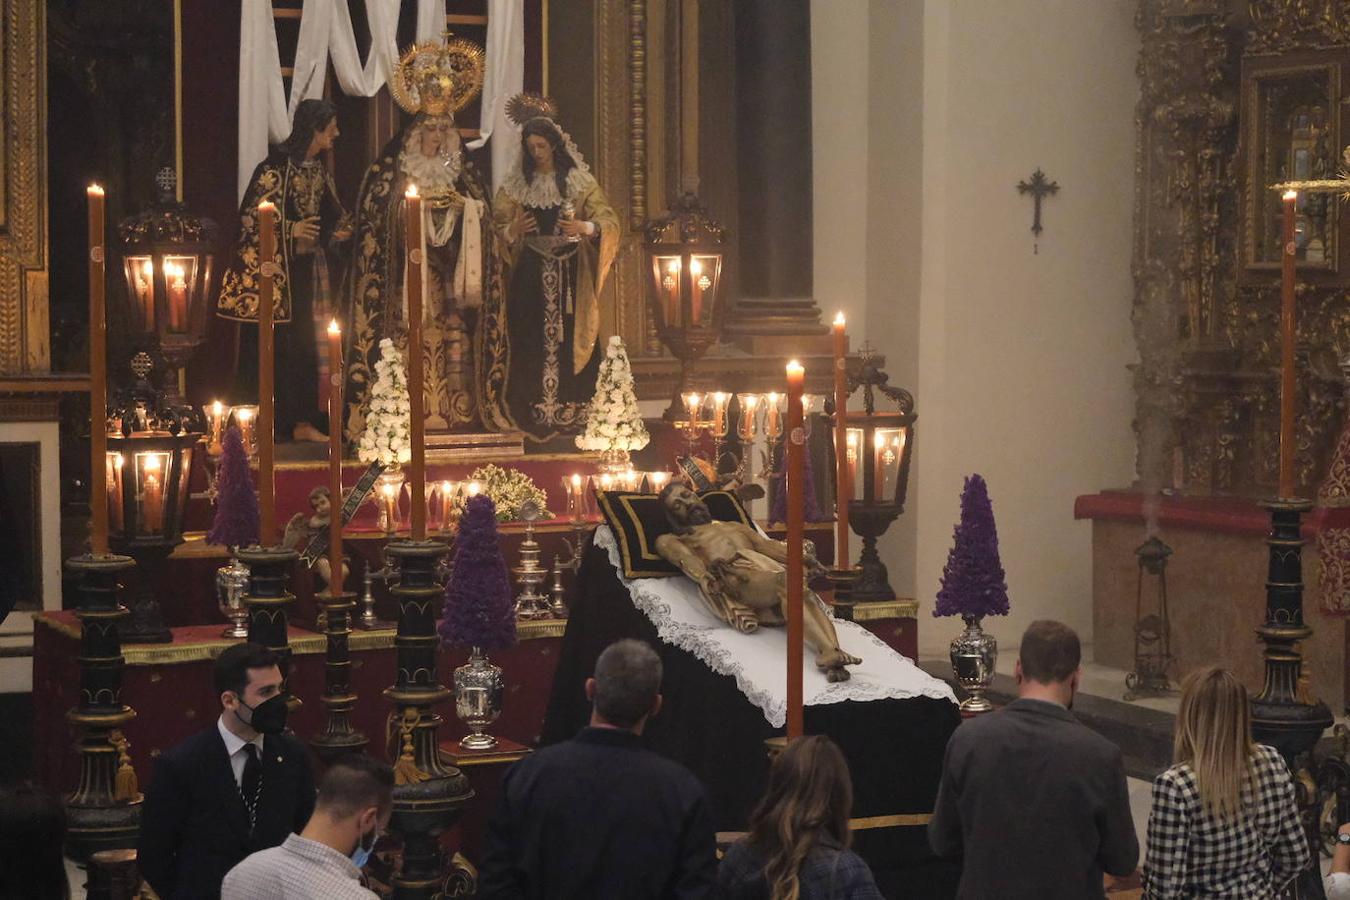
1032, 801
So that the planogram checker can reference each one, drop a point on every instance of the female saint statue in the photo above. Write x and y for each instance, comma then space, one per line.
557, 236
310, 218
432, 81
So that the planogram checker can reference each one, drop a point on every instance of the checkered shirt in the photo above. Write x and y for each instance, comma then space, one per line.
1193, 854
300, 869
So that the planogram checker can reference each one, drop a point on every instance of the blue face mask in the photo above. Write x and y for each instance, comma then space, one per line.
361, 855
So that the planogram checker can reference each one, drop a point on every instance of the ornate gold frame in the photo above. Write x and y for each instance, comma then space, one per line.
1254, 142
25, 343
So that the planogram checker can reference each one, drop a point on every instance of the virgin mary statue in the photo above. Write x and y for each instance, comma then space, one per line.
556, 237
432, 81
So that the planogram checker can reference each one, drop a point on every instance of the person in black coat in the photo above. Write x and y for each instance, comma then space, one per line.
238, 787
1033, 802
599, 816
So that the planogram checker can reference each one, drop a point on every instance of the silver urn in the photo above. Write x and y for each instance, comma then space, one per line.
231, 586
974, 654
478, 699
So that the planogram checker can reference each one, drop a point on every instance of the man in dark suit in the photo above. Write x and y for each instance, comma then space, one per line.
599, 817
238, 787
1034, 802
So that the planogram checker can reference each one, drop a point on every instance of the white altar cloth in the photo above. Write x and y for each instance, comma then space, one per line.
758, 661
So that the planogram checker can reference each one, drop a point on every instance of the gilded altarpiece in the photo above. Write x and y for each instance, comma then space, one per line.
25, 346
1234, 98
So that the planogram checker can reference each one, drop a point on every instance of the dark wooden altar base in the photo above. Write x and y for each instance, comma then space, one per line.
1216, 580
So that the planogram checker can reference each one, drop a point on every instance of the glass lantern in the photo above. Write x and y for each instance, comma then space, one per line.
684, 248
168, 265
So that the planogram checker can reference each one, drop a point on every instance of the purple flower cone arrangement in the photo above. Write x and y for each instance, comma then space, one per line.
973, 584
236, 520
478, 608
779, 511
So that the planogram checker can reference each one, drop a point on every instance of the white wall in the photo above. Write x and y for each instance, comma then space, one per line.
1017, 361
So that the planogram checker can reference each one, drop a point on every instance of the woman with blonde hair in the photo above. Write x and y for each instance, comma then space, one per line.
1224, 822
797, 848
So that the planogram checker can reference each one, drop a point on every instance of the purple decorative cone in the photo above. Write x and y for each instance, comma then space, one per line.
778, 512
478, 608
236, 521
973, 585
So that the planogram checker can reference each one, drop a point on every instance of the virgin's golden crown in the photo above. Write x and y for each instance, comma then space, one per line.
437, 78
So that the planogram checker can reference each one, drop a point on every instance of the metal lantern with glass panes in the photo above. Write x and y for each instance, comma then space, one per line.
168, 266
684, 248
880, 445
149, 464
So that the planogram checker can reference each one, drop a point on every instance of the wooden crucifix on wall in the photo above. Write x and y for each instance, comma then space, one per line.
1039, 187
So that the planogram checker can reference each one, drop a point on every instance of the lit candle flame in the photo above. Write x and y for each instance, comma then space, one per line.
474, 488
1291, 195
695, 267
95, 190
794, 368
119, 461
412, 190
152, 462
244, 414
576, 482
334, 328
216, 408
839, 319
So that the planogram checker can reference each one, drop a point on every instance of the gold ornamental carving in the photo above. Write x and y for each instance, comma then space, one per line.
24, 339
1211, 137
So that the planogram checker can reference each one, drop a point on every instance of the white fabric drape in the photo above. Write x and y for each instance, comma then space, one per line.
430, 19
325, 31
265, 113
504, 78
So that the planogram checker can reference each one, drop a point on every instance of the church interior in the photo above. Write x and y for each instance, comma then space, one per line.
437, 345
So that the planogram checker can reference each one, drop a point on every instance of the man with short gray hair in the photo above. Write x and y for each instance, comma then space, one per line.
599, 816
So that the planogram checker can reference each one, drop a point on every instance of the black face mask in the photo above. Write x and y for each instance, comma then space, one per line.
269, 716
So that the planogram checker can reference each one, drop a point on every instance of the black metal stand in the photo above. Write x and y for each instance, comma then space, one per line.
870, 521
269, 575
1283, 716
843, 580
428, 795
145, 625
338, 737
104, 812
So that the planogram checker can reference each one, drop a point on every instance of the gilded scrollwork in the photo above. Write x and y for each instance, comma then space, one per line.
24, 340
1207, 326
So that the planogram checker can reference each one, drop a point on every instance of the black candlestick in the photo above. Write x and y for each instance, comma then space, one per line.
338, 737
428, 795
1282, 716
104, 812
269, 575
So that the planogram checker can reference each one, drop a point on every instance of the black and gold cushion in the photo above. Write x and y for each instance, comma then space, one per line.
637, 520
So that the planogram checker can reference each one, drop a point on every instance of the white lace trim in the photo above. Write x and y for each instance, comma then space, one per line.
708, 640
542, 191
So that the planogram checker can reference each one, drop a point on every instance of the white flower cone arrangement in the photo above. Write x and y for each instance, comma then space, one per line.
614, 424
388, 435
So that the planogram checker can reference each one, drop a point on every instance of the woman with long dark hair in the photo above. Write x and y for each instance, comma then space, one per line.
1224, 822
797, 848
32, 833
557, 236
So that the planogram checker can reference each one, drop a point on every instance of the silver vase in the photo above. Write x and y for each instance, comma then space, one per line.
974, 654
231, 585
478, 699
